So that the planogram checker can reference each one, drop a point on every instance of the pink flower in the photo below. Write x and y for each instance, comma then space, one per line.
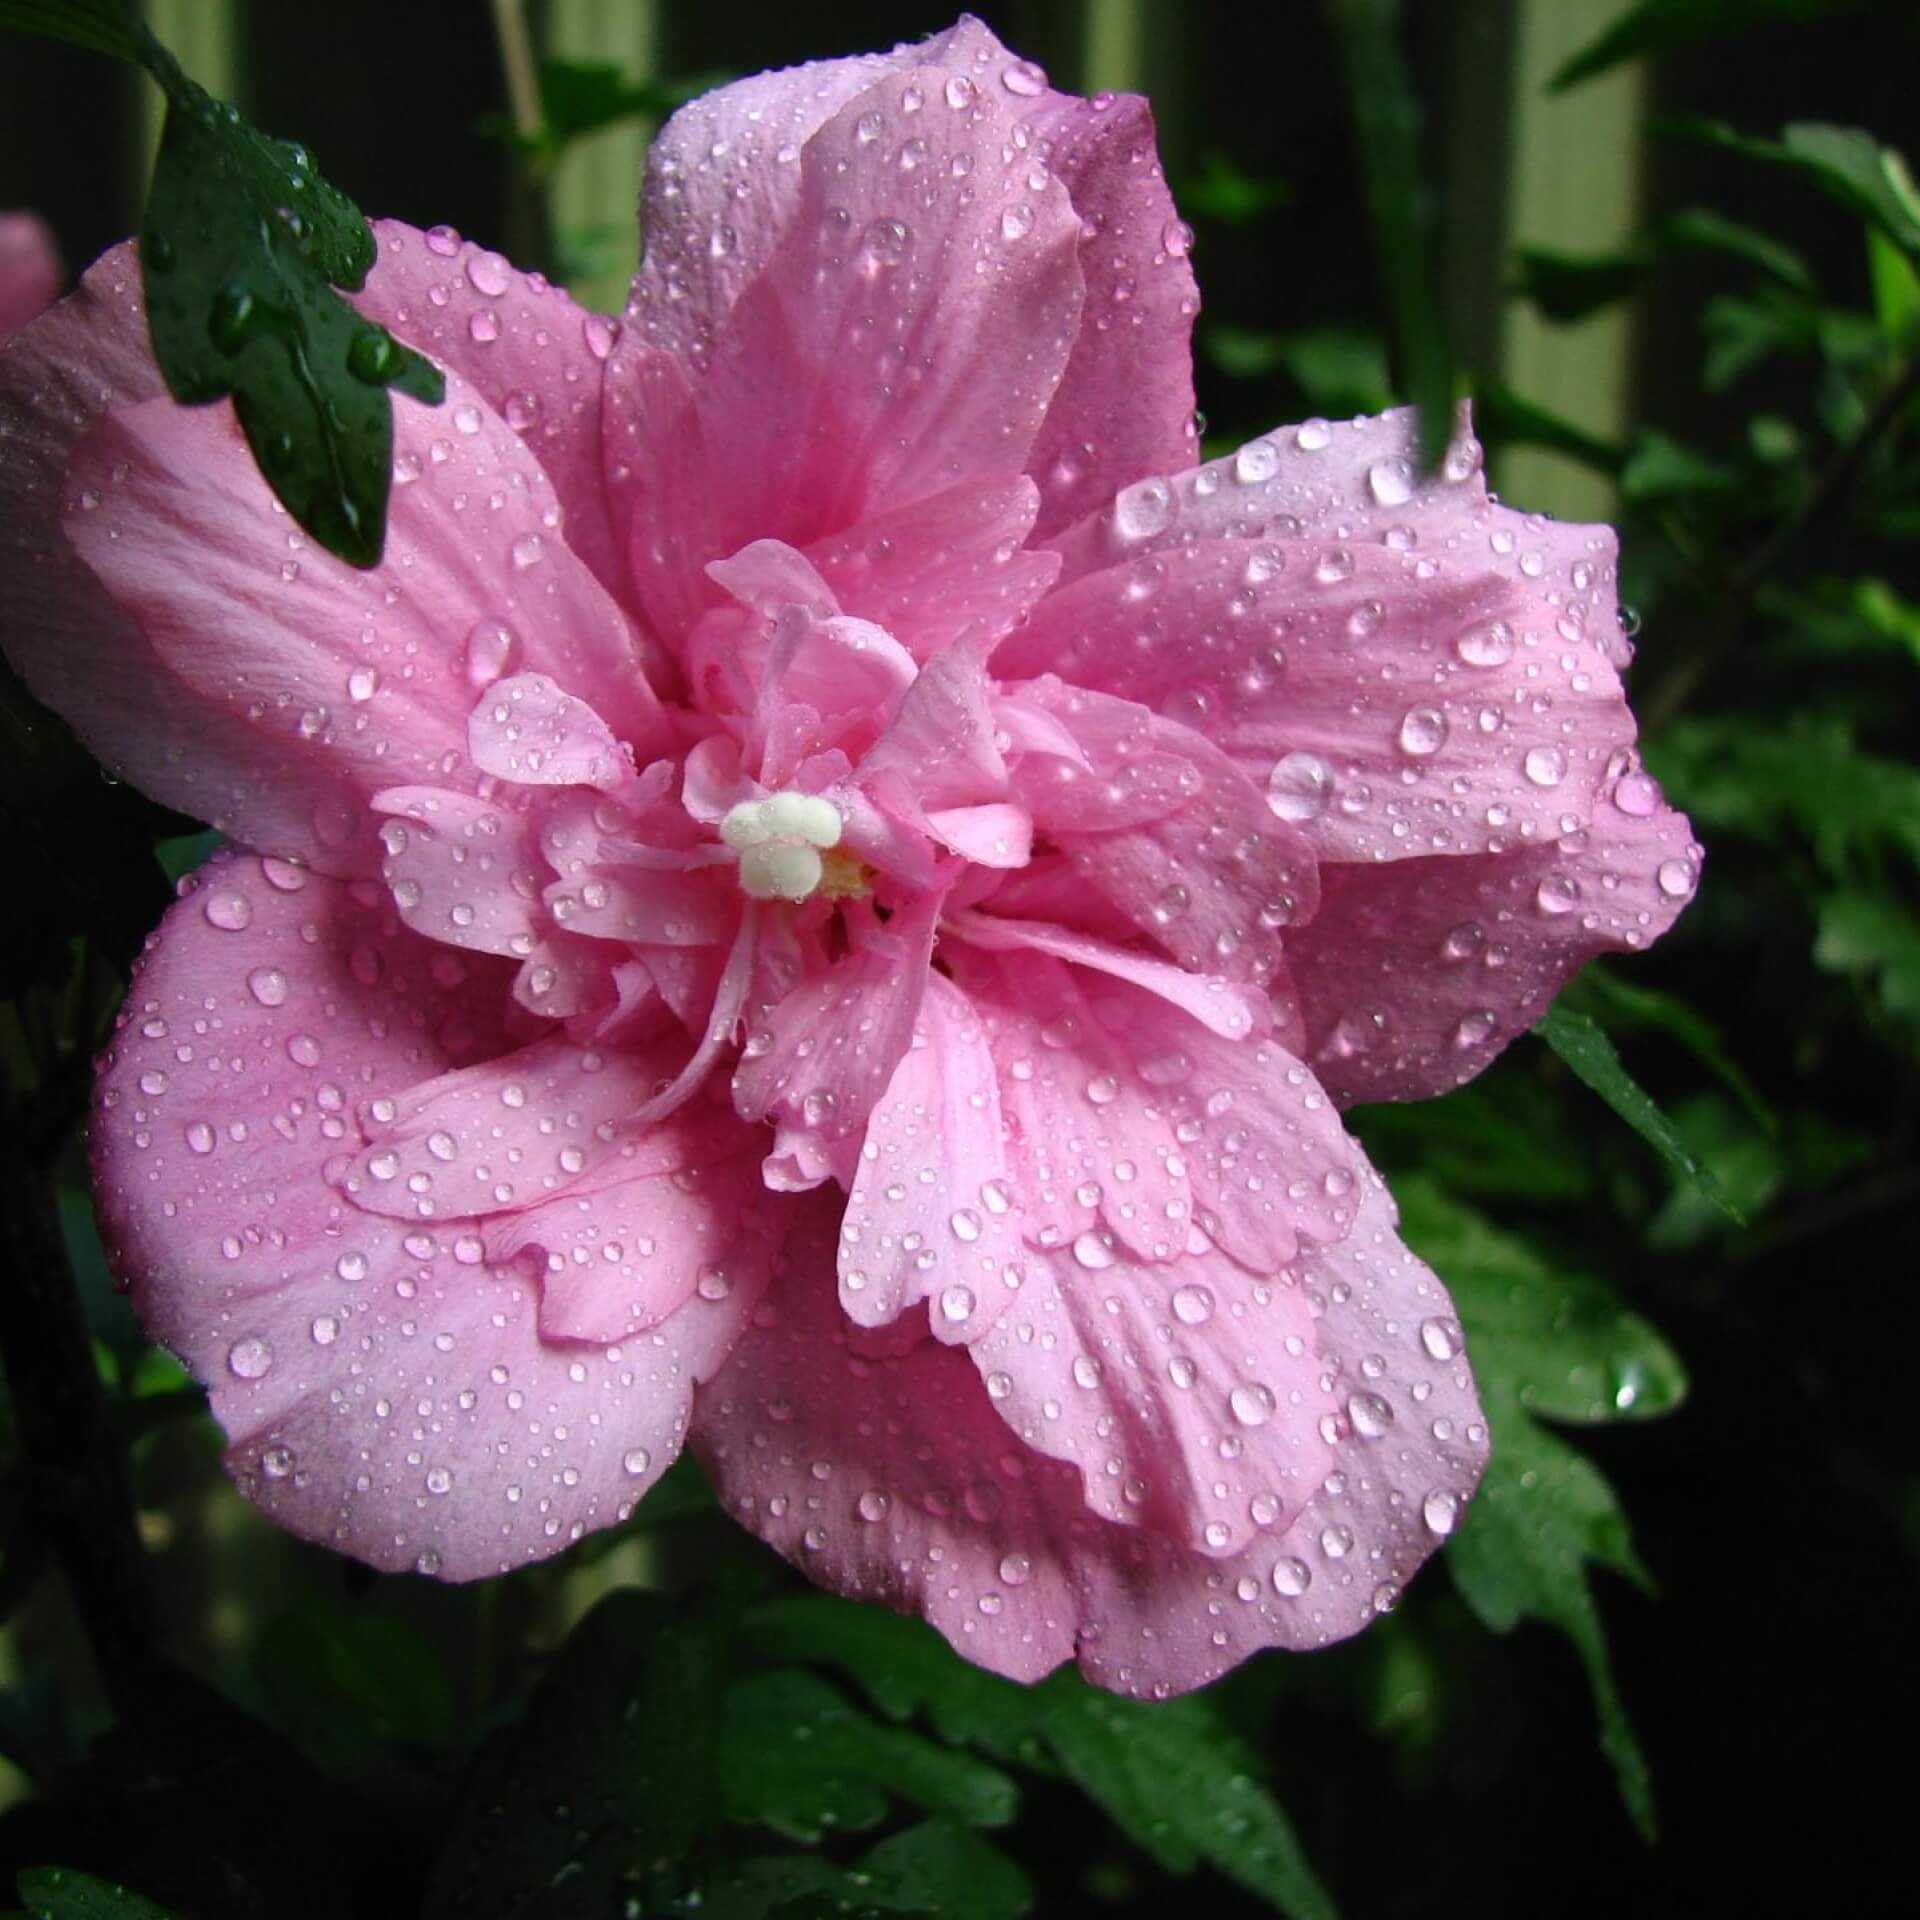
828, 893
29, 271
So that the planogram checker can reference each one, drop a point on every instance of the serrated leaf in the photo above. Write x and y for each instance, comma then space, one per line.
1400, 206
903, 1666
800, 1758
1561, 1344
609, 1773
61, 1893
1543, 1512
1564, 1346
1175, 1780
935, 1869
240, 250
101, 26
1583, 1044
1660, 26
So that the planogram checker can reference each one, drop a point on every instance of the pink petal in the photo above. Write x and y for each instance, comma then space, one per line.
1209, 871
621, 1259
994, 835
1414, 976
1218, 1004
532, 731
1340, 486
353, 682
1385, 707
942, 743
930, 1214
949, 568
461, 870
1125, 403
386, 1391
869, 365
506, 1134
30, 273
524, 346
826, 1052
74, 646
925, 1507
1160, 1175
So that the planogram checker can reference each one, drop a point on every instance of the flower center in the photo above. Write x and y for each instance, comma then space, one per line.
780, 841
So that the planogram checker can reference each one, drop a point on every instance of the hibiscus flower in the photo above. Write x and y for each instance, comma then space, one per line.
827, 895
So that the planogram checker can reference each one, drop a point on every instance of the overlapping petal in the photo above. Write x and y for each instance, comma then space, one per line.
383, 1382
861, 877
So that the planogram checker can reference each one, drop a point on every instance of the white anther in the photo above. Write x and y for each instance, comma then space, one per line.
779, 840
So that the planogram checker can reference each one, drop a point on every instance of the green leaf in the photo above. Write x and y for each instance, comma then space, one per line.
1648, 1009
1896, 289
240, 249
1661, 26
1700, 229
935, 1869
1749, 1167
1845, 162
1876, 940
1811, 778
1223, 193
59, 1893
1175, 1780
101, 26
800, 1758
1660, 469
1568, 287
903, 1666
1564, 1346
347, 1685
1401, 204
607, 1775
1580, 1041
1542, 1514
1561, 1344
1741, 334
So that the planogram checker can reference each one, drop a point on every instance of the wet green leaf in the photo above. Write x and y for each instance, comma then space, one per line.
240, 250
1559, 1343
59, 1893
1545, 1342
936, 1870
1583, 1044
800, 1758
608, 1775
903, 1666
1172, 1776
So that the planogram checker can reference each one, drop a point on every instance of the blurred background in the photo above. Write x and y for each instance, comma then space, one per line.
1712, 345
